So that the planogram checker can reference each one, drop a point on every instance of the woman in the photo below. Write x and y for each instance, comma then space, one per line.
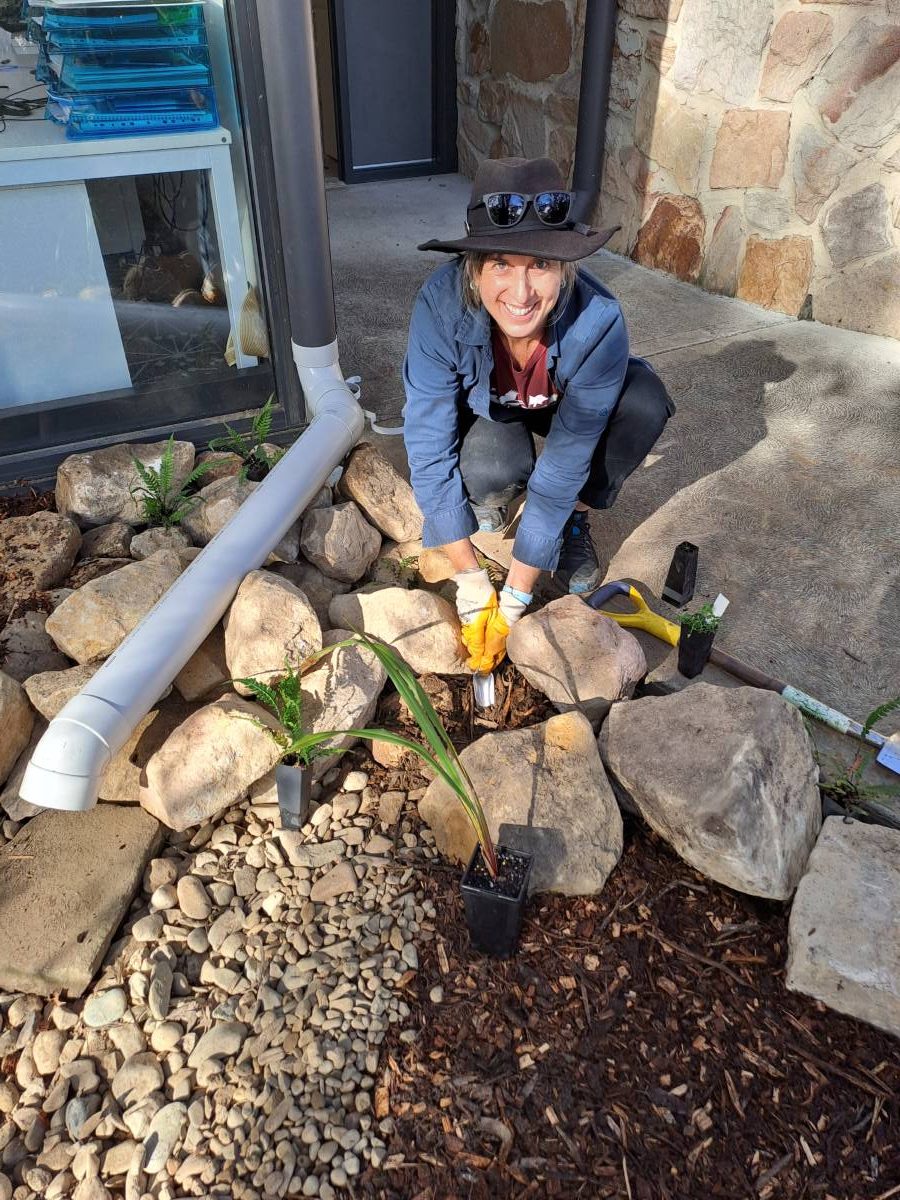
506, 342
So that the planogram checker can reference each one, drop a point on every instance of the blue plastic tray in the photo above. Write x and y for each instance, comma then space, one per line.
129, 113
124, 71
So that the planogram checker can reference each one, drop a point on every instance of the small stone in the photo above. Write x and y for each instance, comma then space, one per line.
410, 956
46, 1050
165, 1037
192, 898
355, 781
159, 995
138, 1076
163, 1136
104, 1008
229, 922
117, 1160
379, 845
336, 882
390, 807
159, 872
436, 995
197, 941
222, 1041
148, 929
164, 897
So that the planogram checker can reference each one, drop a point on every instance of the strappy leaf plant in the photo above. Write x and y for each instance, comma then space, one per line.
436, 750
159, 501
249, 446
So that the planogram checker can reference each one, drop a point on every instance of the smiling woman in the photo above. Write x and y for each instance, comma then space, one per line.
508, 341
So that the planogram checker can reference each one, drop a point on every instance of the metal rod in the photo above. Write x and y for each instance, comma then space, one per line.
593, 103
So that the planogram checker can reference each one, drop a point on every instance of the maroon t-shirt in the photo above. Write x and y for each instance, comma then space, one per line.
529, 386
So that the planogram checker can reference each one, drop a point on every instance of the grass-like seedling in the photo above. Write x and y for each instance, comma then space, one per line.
160, 502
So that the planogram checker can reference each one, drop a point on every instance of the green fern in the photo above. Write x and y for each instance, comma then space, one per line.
249, 446
160, 503
878, 714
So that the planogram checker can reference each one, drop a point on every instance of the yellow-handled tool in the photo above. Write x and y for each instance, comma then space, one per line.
644, 618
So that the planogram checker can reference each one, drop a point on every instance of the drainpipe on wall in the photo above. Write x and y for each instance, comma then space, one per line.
69, 760
593, 103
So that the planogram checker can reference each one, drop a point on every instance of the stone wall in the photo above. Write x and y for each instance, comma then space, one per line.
753, 146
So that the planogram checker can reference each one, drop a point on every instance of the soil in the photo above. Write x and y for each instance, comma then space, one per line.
641, 1045
26, 502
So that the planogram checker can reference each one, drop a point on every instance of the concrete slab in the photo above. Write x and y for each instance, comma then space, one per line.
66, 881
780, 464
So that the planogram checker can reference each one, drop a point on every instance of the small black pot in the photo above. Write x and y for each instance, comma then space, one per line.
693, 651
294, 787
495, 908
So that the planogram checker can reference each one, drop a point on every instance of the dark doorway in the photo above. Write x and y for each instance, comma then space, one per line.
395, 87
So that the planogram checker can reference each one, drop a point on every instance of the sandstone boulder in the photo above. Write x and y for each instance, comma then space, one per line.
95, 619
156, 538
270, 622
843, 947
36, 553
577, 657
318, 588
543, 790
11, 802
422, 627
95, 488
209, 762
16, 721
382, 493
50, 691
340, 541
206, 669
26, 648
107, 541
217, 504
726, 776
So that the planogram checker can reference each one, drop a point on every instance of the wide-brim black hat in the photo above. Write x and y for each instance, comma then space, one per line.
529, 176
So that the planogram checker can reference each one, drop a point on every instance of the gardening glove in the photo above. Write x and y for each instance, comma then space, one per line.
476, 604
510, 608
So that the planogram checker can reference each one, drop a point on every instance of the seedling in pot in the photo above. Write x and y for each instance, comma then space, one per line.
160, 502
698, 631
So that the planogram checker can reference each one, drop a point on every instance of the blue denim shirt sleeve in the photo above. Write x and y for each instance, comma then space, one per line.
431, 426
562, 468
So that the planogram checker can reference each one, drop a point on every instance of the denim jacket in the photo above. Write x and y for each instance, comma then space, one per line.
449, 361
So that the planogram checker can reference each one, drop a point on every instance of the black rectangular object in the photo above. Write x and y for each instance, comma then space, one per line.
682, 576
494, 920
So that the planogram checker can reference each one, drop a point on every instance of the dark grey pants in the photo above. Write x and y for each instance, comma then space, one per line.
496, 458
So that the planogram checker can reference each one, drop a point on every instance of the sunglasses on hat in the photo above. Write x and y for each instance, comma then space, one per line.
505, 209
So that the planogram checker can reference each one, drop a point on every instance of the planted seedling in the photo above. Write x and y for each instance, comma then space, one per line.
851, 793
698, 631
162, 504
249, 447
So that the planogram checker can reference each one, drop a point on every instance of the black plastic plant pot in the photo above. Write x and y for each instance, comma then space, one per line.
495, 907
294, 787
693, 651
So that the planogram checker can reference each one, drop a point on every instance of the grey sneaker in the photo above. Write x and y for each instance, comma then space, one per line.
578, 569
490, 520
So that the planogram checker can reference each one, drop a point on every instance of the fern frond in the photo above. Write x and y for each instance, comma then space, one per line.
167, 467
878, 714
262, 422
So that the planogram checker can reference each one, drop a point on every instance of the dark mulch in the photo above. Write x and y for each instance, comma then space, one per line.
26, 501
641, 1045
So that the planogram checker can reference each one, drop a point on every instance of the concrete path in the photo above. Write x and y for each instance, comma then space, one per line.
781, 464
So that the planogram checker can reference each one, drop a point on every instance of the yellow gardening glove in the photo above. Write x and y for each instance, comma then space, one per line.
509, 609
476, 604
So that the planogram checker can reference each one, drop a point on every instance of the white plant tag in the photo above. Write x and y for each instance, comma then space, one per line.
720, 604
483, 685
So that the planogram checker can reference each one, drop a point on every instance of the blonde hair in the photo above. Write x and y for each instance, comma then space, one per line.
473, 262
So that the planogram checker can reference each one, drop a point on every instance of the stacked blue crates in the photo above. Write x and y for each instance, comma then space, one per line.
122, 71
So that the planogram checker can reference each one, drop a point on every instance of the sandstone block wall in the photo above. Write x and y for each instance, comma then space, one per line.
753, 146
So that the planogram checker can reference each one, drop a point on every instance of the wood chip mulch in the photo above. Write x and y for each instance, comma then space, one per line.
26, 501
641, 1045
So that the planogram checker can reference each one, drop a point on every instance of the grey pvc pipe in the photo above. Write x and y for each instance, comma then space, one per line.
593, 104
68, 763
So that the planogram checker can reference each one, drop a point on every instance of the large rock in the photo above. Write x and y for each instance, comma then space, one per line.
11, 802
843, 947
751, 148
95, 488
270, 622
50, 691
856, 90
777, 274
858, 225
206, 669
66, 882
340, 541
865, 298
107, 541
722, 264
382, 493
26, 648
577, 657
671, 239
726, 776
799, 43
94, 620
720, 47
123, 777
209, 762
36, 553
670, 133
422, 627
16, 721
819, 165
543, 790
530, 41
318, 588
216, 505
157, 538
